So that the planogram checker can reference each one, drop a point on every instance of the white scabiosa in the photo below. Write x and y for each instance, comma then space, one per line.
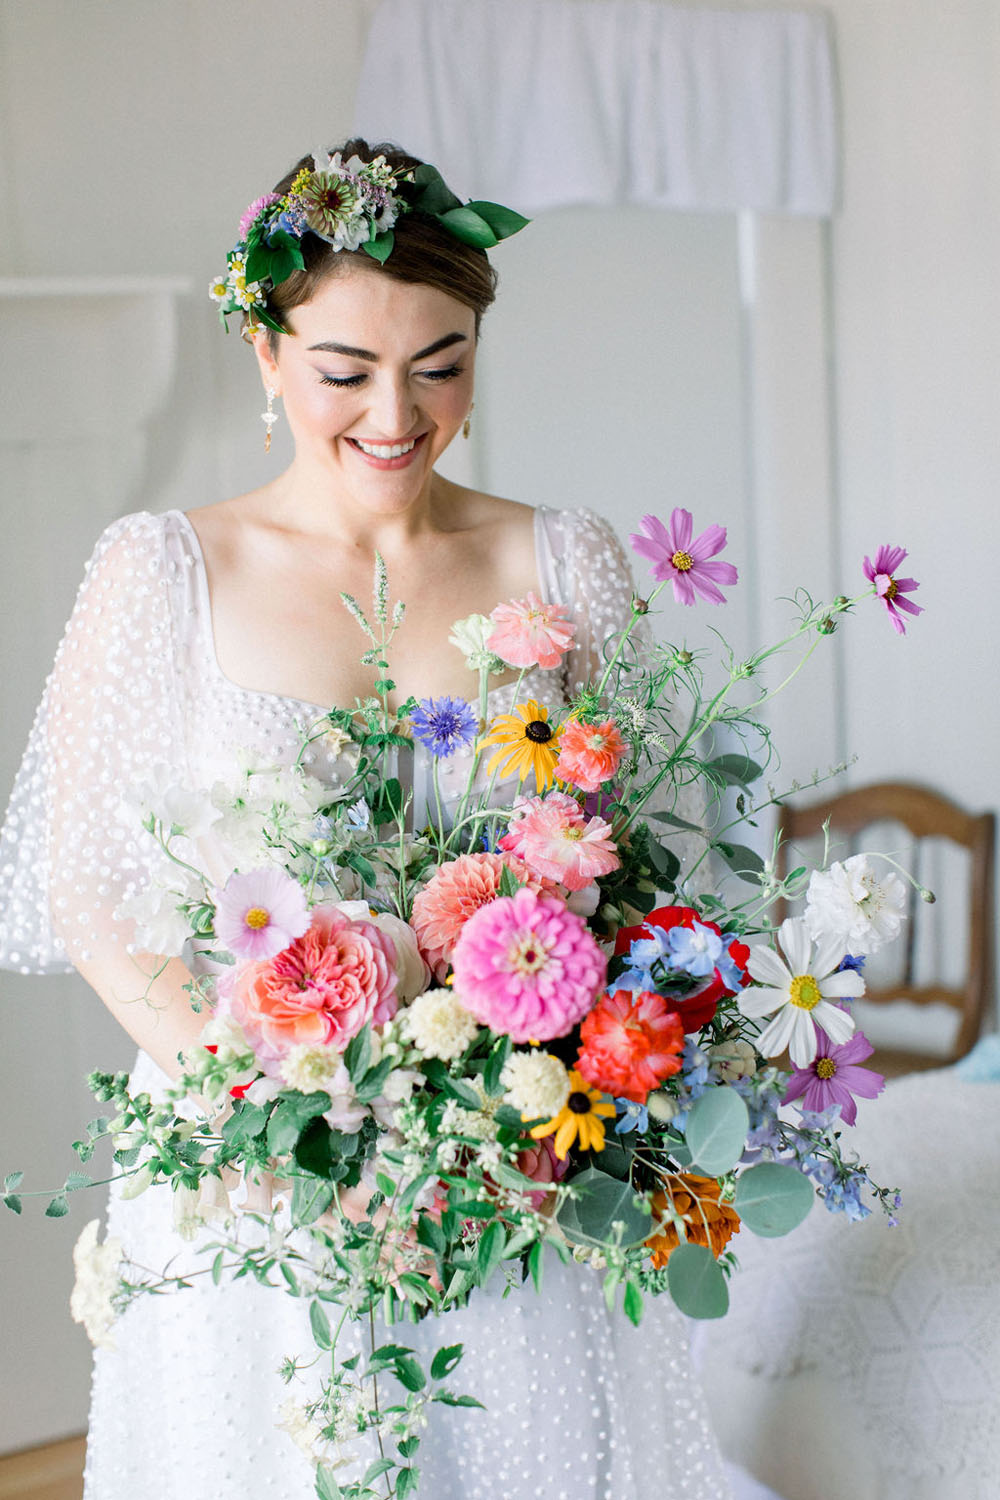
98, 1278
536, 1083
438, 1025
851, 903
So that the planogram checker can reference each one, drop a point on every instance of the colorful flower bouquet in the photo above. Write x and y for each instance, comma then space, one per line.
445, 1038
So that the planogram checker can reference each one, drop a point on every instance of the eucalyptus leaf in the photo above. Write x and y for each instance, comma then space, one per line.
716, 1130
602, 1202
773, 1198
697, 1283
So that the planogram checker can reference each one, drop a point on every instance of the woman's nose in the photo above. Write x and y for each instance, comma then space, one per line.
392, 408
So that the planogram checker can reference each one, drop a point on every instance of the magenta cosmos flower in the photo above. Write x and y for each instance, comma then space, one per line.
688, 564
259, 913
528, 968
890, 589
834, 1077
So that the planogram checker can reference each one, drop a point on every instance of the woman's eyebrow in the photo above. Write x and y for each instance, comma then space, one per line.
328, 347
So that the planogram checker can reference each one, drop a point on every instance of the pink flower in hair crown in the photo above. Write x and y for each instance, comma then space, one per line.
688, 563
256, 207
528, 633
320, 991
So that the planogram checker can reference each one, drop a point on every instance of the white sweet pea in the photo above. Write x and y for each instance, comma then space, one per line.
158, 925
799, 993
850, 903
469, 636
98, 1278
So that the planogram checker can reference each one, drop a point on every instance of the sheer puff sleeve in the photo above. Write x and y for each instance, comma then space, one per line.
70, 853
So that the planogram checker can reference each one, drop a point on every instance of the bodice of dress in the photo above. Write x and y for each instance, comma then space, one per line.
137, 692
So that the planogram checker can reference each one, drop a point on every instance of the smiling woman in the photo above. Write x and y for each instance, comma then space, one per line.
203, 642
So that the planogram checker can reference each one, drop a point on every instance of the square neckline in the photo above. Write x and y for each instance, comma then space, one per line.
207, 621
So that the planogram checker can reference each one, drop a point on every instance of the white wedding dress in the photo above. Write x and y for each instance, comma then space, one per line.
580, 1405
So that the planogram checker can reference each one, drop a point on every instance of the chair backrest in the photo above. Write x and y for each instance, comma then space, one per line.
925, 814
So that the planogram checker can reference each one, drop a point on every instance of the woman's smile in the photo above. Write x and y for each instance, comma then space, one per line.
379, 454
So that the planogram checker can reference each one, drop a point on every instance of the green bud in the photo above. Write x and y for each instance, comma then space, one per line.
827, 626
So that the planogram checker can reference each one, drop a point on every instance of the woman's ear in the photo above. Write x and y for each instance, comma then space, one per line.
266, 361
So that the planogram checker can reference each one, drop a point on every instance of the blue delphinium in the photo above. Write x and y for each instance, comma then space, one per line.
442, 725
631, 1116
855, 961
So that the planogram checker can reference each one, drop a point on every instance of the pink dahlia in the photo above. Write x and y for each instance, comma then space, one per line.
528, 633
589, 754
889, 588
321, 990
631, 1043
454, 892
250, 214
834, 1077
554, 839
685, 562
528, 968
259, 913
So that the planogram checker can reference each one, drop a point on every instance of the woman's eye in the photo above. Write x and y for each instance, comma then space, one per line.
448, 373
342, 382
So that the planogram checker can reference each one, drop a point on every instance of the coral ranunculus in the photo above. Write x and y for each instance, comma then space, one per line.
456, 890
321, 990
631, 1043
589, 754
707, 1221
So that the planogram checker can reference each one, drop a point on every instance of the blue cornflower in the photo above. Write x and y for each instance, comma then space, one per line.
443, 724
855, 961
631, 1116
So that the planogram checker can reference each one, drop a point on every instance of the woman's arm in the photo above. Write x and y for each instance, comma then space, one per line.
155, 1012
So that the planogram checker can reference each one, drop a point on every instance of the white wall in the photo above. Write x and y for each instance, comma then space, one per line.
133, 132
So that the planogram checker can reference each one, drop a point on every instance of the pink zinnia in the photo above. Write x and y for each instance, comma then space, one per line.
552, 837
889, 589
631, 1043
259, 913
589, 754
321, 990
685, 562
529, 633
834, 1077
456, 890
256, 207
528, 968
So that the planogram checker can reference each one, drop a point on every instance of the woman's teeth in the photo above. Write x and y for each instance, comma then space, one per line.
383, 450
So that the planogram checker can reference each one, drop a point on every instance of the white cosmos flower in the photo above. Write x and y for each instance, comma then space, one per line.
849, 902
798, 994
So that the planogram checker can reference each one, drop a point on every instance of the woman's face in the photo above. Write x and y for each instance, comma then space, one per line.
376, 378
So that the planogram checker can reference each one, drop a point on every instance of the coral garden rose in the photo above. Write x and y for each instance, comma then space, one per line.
707, 1221
321, 990
631, 1043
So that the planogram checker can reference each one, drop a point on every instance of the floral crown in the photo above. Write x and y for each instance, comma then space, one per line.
352, 205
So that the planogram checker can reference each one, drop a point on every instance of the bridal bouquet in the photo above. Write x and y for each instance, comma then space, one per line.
448, 1032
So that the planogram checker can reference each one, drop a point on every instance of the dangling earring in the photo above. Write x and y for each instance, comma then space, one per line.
269, 417
467, 424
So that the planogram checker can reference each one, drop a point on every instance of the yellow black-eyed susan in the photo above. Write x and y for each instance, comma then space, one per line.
527, 742
579, 1118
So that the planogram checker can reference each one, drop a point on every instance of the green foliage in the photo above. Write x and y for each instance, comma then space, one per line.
716, 1130
773, 1198
601, 1202
697, 1282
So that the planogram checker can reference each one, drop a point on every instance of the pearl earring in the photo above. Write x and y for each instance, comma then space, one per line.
269, 417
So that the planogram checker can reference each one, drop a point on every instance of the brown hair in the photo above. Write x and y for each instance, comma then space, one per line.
423, 252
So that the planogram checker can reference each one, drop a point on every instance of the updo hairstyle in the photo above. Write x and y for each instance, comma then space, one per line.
423, 251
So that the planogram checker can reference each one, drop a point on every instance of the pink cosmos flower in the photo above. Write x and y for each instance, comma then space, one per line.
833, 1077
256, 207
685, 562
552, 837
320, 991
888, 588
259, 913
456, 890
528, 633
528, 968
589, 754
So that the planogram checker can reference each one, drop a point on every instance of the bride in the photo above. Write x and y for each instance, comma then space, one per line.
200, 637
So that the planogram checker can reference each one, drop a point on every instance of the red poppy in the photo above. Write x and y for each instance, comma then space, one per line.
697, 1007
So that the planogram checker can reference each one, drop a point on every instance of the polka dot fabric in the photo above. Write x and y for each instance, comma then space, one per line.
580, 1406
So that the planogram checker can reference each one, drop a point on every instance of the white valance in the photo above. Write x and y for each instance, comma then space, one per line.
546, 103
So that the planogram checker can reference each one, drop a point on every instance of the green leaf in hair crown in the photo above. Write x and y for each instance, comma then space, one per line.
350, 205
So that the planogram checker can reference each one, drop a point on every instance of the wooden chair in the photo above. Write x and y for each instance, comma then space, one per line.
925, 814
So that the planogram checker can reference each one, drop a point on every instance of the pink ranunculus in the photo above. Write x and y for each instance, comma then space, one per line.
589, 754
528, 968
541, 1164
528, 633
552, 837
456, 890
321, 990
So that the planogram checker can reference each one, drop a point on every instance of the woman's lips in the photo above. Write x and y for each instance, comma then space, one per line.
388, 455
